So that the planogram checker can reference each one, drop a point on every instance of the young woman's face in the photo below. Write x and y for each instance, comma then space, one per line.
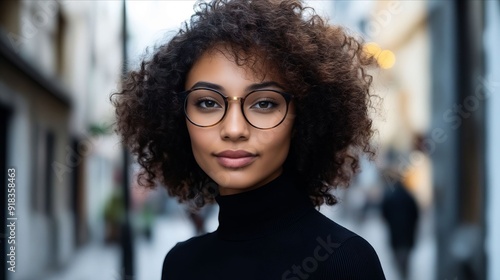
236, 155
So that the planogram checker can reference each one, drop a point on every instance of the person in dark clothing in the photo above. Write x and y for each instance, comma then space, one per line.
262, 107
400, 210
273, 232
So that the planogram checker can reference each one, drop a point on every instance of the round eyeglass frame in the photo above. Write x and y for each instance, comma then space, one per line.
288, 97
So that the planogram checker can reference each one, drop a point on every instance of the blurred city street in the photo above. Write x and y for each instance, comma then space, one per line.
436, 90
96, 261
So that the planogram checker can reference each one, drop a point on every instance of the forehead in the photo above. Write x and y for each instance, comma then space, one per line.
223, 65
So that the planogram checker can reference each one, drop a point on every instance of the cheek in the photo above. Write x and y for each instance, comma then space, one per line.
278, 137
275, 142
197, 143
202, 144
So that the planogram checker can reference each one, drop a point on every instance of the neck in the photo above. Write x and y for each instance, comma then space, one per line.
258, 212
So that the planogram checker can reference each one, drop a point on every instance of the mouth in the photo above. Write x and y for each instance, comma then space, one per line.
235, 159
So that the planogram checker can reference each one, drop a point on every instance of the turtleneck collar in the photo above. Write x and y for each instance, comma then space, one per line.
256, 213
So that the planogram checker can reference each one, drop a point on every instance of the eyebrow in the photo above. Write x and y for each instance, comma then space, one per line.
264, 85
249, 88
208, 85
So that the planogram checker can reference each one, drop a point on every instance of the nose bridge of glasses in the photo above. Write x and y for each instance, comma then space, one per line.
235, 98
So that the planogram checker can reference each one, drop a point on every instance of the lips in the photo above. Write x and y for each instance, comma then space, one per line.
235, 159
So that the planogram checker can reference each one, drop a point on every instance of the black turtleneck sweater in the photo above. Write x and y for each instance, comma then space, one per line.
273, 232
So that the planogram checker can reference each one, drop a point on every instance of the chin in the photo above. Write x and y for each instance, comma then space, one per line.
235, 182
240, 181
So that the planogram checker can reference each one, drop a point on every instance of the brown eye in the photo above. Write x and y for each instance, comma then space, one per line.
264, 105
207, 104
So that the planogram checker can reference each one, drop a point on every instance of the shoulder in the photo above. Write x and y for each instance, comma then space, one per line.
341, 253
317, 224
201, 243
185, 253
355, 258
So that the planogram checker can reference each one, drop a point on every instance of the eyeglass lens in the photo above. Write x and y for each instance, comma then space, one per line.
262, 109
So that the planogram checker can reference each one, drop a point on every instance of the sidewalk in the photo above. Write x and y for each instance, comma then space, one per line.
96, 261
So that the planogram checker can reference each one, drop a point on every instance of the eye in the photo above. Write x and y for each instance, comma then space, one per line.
208, 103
264, 104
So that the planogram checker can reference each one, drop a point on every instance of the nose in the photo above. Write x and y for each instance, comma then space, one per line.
234, 127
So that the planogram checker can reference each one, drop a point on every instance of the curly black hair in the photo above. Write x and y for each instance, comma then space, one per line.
323, 65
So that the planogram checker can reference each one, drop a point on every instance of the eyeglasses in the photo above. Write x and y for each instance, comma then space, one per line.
263, 108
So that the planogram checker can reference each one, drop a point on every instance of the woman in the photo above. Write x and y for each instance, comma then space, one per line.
262, 107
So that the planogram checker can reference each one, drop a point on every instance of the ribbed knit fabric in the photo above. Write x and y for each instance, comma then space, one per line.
273, 232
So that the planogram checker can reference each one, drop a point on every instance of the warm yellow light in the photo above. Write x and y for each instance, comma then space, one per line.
386, 59
372, 49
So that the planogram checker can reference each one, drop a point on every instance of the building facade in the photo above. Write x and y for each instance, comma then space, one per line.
60, 60
444, 85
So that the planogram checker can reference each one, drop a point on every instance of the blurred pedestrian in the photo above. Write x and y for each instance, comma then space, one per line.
114, 214
400, 210
261, 106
